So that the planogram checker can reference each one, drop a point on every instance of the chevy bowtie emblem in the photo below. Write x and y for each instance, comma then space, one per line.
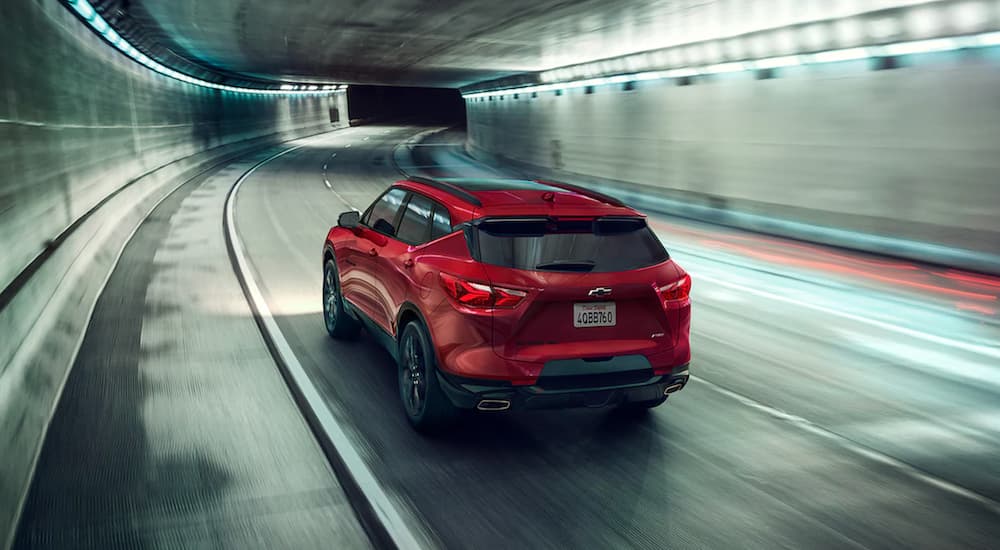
599, 291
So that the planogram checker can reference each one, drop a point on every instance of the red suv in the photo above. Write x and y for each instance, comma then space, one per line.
495, 294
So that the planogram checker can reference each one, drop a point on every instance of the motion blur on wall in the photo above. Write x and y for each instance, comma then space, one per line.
871, 125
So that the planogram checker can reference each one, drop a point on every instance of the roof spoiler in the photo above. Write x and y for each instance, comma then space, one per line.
608, 199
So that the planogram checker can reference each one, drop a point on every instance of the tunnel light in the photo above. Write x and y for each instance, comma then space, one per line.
849, 31
816, 36
990, 39
922, 46
733, 67
694, 54
735, 49
923, 21
83, 8
713, 51
635, 63
86, 11
785, 39
680, 73
834, 56
649, 75
777, 62
969, 16
764, 45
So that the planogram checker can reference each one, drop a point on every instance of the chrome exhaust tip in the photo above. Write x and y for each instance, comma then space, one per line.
493, 405
675, 387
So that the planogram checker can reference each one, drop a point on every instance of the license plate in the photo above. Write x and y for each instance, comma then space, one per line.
594, 314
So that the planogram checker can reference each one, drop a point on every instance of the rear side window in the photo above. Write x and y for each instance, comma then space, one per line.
440, 222
591, 245
381, 216
414, 227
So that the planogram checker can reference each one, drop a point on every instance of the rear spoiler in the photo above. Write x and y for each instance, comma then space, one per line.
607, 199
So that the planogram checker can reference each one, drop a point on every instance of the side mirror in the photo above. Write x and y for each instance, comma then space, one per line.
350, 219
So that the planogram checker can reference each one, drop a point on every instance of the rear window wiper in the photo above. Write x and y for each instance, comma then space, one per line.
582, 266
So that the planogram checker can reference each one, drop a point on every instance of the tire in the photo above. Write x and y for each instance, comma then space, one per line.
338, 321
426, 406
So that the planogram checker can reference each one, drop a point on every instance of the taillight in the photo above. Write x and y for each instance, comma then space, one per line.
480, 295
676, 291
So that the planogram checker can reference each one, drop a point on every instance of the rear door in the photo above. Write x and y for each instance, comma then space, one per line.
591, 284
395, 262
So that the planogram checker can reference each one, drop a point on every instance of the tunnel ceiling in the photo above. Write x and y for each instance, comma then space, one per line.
445, 43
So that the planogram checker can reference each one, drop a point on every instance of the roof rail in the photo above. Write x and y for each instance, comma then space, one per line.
584, 191
447, 188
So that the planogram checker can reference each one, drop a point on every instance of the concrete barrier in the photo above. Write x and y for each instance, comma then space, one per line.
92, 141
901, 161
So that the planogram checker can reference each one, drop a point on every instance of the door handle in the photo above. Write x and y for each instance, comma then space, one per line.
408, 262
372, 252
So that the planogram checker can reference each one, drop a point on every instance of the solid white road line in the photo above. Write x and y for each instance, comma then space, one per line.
390, 518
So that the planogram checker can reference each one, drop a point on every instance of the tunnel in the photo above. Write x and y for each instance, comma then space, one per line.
469, 274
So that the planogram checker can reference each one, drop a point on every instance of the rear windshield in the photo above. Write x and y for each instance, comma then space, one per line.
582, 245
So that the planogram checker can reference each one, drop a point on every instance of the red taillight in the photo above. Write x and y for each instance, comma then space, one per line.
675, 291
480, 295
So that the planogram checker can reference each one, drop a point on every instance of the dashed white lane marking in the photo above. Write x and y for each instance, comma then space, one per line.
385, 509
857, 448
348, 146
326, 181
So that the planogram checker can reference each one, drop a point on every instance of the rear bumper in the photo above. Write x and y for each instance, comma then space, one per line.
467, 393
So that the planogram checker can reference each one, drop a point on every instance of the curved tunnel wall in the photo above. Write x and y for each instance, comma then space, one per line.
80, 119
911, 154
89, 136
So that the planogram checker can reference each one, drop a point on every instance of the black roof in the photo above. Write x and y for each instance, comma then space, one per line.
464, 187
496, 184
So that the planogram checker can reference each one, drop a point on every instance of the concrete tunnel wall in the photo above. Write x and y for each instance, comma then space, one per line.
80, 123
80, 119
905, 157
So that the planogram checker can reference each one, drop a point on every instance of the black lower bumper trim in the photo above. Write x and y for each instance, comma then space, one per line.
466, 393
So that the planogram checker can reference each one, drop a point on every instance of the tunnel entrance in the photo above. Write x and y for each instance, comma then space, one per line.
368, 104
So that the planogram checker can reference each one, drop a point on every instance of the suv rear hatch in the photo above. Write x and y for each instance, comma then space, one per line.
591, 284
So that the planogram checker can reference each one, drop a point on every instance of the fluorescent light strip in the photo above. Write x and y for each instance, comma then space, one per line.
984, 40
90, 15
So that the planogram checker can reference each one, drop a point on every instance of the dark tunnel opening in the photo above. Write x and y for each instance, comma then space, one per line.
417, 105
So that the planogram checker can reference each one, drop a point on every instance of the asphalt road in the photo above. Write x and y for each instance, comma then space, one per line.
839, 400
175, 428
